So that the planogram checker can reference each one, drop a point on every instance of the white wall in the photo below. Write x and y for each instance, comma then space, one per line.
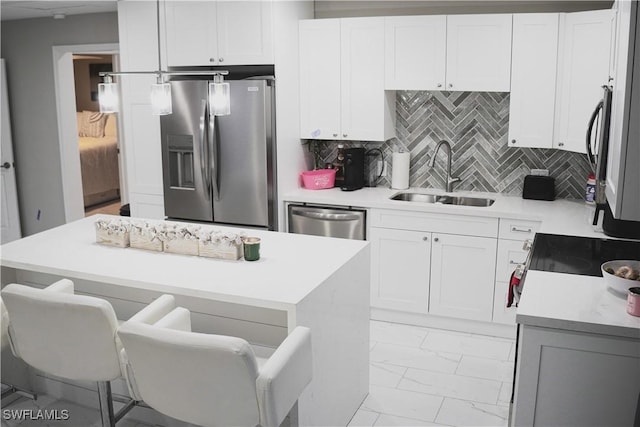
27, 49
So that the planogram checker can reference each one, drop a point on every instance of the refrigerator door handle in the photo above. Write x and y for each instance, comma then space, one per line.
203, 151
213, 149
592, 120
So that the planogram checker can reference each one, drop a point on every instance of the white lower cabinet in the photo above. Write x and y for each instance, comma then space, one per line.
400, 266
418, 271
576, 379
462, 276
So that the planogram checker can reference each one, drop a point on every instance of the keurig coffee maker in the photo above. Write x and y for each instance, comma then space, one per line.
353, 169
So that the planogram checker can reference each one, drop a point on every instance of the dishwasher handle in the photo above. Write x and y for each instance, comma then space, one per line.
327, 221
347, 216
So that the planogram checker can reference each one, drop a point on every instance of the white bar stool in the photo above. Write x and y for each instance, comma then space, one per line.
4, 344
213, 380
70, 336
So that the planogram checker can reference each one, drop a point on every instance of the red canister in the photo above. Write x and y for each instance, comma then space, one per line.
633, 301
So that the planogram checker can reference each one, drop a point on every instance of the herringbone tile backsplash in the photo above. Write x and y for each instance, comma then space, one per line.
476, 125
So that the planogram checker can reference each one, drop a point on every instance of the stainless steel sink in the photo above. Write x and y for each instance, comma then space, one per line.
443, 199
416, 197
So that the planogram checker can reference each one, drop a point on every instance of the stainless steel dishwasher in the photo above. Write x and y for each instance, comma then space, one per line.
327, 221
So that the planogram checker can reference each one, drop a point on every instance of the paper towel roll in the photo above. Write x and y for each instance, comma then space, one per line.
400, 171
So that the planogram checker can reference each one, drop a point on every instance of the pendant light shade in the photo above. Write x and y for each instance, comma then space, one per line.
161, 98
108, 96
219, 97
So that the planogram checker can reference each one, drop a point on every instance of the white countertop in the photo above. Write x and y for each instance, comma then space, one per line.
575, 303
290, 267
554, 300
558, 217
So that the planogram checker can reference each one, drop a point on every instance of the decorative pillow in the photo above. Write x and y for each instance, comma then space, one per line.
92, 124
111, 125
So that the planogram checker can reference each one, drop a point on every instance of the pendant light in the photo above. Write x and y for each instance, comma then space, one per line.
219, 96
218, 91
161, 97
108, 95
161, 90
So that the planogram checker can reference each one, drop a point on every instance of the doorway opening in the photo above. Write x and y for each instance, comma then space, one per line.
97, 137
91, 153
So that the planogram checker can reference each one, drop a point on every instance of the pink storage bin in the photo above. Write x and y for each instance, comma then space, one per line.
319, 179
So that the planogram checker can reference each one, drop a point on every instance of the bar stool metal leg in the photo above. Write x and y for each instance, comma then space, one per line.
13, 389
106, 404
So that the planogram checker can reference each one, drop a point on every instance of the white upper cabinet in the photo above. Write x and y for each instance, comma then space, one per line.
245, 33
219, 33
415, 52
191, 33
320, 78
583, 68
138, 34
533, 79
457, 52
478, 53
342, 93
365, 108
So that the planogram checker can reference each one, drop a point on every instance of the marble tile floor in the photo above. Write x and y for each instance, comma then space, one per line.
418, 377
76, 415
431, 377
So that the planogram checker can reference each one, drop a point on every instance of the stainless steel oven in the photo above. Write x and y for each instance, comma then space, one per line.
327, 221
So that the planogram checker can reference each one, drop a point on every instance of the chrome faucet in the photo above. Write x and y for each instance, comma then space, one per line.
450, 179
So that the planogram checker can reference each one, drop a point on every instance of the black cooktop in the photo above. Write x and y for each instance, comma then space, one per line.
578, 255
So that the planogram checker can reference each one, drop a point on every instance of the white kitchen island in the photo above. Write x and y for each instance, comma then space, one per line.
317, 282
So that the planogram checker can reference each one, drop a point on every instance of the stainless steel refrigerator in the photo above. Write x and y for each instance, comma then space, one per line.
221, 169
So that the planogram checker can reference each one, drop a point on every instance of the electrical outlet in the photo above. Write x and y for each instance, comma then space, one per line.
381, 168
540, 172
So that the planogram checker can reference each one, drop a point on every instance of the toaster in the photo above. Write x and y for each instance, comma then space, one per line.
538, 187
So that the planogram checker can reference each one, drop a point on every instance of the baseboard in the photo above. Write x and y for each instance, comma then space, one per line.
448, 323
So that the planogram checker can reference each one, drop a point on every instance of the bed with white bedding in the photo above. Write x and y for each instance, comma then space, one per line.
98, 157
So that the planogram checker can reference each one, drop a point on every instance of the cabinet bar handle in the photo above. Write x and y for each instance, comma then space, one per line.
520, 230
512, 262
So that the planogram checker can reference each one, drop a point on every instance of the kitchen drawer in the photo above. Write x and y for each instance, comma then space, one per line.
435, 222
502, 314
516, 229
510, 254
